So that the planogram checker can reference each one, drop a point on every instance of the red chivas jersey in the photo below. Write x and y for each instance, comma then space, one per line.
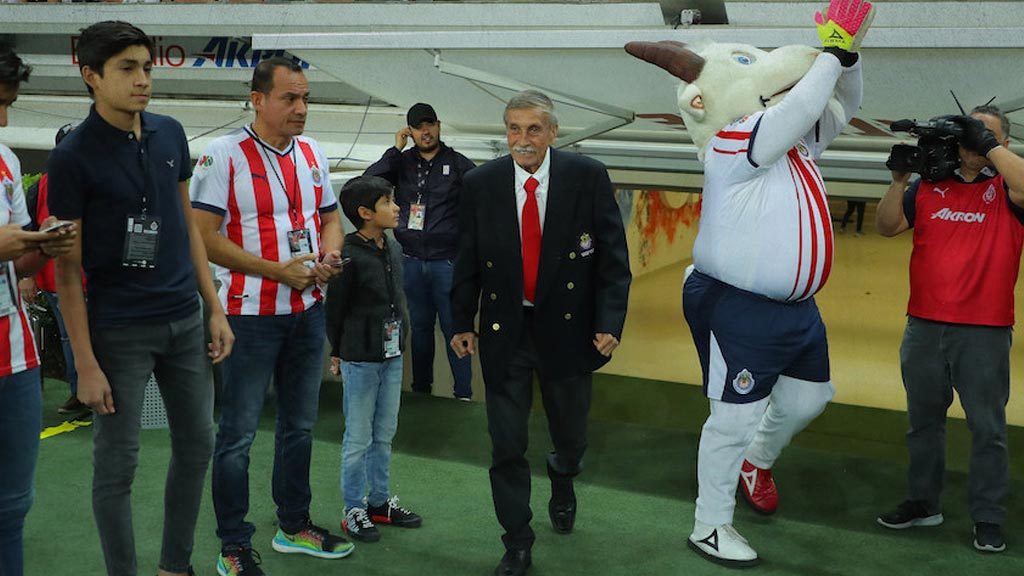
967, 246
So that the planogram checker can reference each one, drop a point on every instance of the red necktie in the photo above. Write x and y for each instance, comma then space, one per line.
531, 239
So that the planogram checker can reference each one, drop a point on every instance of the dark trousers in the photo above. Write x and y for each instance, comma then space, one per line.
938, 358
566, 403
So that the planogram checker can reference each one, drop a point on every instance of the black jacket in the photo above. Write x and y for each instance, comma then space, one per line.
583, 279
367, 293
439, 239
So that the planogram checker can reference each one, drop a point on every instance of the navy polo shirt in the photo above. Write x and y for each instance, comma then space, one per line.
99, 174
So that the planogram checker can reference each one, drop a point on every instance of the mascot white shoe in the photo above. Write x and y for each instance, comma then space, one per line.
760, 120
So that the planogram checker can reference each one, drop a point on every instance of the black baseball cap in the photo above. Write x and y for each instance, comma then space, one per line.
420, 112
64, 131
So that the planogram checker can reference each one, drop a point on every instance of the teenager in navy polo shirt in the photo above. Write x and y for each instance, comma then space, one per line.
122, 176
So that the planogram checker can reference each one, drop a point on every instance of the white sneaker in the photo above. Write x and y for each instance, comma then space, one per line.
722, 545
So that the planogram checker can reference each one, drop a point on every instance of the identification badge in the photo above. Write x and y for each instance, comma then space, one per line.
8, 297
141, 241
446, 170
392, 338
299, 244
417, 213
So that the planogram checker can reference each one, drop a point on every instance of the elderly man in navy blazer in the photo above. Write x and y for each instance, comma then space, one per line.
543, 258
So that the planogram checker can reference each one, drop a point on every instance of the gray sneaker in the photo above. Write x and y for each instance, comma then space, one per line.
908, 514
988, 537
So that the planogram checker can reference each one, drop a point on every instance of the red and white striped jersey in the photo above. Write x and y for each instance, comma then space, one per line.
263, 193
764, 229
17, 343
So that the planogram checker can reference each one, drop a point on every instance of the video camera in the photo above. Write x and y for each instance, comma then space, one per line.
937, 153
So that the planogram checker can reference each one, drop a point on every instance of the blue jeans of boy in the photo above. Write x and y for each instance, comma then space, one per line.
373, 392
428, 286
290, 347
20, 419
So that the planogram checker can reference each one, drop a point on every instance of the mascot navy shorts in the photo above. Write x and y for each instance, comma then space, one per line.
745, 341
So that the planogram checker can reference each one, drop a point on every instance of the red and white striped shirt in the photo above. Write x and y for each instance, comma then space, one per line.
263, 193
17, 344
764, 229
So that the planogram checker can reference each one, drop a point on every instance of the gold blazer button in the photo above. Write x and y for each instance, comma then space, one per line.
495, 326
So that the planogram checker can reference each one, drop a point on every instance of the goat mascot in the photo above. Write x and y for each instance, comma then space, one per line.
759, 120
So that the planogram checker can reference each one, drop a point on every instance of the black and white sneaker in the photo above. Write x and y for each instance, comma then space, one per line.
357, 525
988, 537
722, 545
908, 514
391, 514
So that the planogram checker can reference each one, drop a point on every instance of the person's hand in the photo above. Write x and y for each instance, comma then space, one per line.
328, 267
94, 391
463, 343
605, 343
27, 289
16, 242
58, 242
335, 366
977, 137
222, 339
295, 273
845, 24
402, 138
901, 177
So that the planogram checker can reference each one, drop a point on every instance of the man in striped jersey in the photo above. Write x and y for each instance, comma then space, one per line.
269, 218
763, 250
22, 253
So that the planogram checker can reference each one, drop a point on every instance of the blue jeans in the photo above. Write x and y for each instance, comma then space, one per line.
20, 420
373, 392
65, 343
175, 352
290, 347
428, 286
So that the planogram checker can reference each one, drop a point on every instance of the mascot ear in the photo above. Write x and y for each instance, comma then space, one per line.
691, 101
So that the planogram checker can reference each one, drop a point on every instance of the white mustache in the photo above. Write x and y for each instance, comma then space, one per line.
524, 149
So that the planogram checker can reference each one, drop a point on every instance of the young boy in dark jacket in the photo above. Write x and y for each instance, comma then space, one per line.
366, 324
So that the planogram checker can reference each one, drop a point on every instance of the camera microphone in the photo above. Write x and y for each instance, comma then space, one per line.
902, 125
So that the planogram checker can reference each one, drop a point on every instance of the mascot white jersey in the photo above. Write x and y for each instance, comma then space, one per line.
760, 120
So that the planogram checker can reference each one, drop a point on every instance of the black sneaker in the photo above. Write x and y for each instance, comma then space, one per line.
72, 406
359, 527
908, 514
239, 562
392, 514
988, 537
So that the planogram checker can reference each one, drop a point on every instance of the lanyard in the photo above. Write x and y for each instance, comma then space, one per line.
290, 196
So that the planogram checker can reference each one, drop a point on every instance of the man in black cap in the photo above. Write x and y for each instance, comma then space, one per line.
428, 181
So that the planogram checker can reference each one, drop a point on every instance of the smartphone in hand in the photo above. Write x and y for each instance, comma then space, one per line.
60, 224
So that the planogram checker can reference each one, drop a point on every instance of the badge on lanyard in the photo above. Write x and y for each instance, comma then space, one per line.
300, 243
141, 241
8, 296
392, 338
417, 213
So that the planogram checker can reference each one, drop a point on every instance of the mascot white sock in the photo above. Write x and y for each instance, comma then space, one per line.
724, 440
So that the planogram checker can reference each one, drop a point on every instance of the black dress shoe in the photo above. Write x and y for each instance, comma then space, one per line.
513, 563
562, 514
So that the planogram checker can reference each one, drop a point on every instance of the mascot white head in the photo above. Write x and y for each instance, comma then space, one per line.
723, 82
